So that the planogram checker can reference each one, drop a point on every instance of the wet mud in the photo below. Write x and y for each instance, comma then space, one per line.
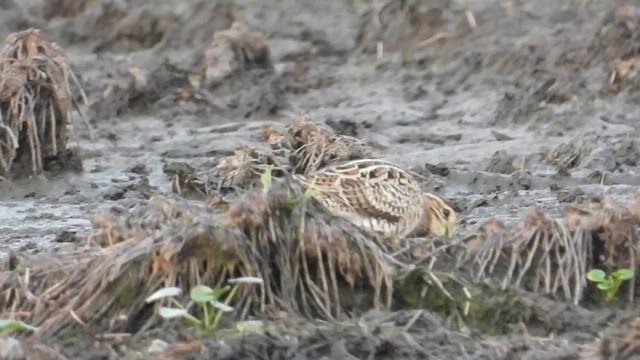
501, 107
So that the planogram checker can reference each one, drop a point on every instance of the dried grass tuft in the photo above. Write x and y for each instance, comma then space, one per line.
312, 146
302, 146
309, 261
35, 98
547, 256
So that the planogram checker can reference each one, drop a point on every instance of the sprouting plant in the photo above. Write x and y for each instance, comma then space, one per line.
266, 179
206, 298
311, 190
290, 199
609, 284
308, 194
7, 325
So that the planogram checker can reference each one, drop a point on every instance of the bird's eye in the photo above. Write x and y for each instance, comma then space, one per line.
446, 212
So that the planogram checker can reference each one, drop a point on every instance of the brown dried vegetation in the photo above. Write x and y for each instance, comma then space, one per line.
303, 260
301, 147
35, 100
549, 256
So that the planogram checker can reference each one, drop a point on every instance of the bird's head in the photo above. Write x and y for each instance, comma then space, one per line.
440, 219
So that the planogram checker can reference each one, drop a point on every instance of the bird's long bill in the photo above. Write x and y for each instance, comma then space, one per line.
441, 228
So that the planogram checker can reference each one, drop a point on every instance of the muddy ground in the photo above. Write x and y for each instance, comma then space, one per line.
502, 105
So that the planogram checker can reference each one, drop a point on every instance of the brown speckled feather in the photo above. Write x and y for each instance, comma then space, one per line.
373, 194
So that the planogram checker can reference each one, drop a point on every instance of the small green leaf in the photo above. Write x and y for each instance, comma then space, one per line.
265, 178
310, 193
163, 293
12, 325
201, 293
623, 274
596, 275
246, 280
221, 306
217, 293
603, 286
172, 313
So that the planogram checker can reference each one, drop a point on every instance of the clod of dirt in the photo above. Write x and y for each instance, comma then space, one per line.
124, 26
440, 169
66, 236
68, 159
237, 68
346, 127
530, 105
73, 18
138, 91
618, 45
189, 182
140, 169
503, 163
67, 8
618, 37
520, 108
405, 25
574, 196
233, 50
141, 89
235, 77
35, 100
568, 156
521, 180
139, 28
139, 189
618, 156
205, 18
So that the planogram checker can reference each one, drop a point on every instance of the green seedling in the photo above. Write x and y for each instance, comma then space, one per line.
7, 325
207, 299
609, 284
311, 191
266, 179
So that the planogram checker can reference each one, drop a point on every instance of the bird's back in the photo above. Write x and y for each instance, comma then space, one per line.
375, 195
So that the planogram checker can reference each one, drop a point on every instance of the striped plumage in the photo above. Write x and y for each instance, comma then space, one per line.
378, 196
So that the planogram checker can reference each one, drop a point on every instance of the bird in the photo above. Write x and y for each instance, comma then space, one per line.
378, 196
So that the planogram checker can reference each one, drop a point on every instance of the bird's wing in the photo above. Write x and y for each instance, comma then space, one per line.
369, 189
